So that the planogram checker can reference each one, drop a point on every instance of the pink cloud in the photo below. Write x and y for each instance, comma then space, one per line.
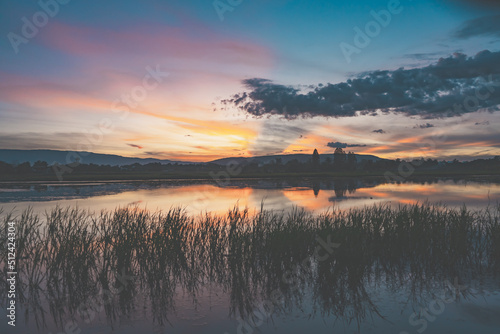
136, 146
154, 42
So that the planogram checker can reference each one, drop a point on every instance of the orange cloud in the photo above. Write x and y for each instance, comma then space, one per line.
307, 143
53, 96
207, 127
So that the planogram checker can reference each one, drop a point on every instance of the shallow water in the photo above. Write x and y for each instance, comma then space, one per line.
346, 293
315, 195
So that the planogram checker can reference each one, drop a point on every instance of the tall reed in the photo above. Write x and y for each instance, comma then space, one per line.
68, 256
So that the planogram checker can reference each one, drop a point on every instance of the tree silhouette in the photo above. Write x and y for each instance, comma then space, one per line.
339, 158
315, 159
351, 161
40, 166
23, 168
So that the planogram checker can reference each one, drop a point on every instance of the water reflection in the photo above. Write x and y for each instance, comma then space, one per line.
134, 264
313, 194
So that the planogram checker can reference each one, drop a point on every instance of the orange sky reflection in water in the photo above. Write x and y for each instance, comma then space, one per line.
198, 199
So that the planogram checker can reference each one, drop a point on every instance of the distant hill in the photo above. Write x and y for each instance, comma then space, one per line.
51, 156
302, 158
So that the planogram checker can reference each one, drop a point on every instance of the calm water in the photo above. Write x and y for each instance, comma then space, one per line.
402, 296
314, 195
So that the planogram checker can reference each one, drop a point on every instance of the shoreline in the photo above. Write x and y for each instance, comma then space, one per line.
110, 178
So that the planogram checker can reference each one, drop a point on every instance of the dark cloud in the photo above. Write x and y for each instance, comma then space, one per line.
343, 145
424, 126
444, 89
155, 154
483, 26
136, 146
379, 131
423, 56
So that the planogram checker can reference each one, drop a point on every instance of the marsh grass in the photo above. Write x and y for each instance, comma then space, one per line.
69, 256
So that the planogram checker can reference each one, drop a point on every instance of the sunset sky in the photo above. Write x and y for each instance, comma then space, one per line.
200, 80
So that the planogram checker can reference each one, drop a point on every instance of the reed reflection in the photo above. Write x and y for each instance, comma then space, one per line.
77, 265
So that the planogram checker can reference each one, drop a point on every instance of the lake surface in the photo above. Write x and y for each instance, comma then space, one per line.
314, 195
367, 285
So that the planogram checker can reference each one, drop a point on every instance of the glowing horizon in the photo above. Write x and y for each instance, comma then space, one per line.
148, 80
